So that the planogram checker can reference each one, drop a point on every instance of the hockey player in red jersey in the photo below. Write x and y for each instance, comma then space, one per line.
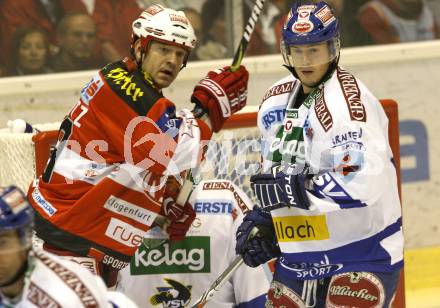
103, 185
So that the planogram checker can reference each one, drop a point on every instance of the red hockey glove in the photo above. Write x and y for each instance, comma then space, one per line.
180, 217
177, 228
221, 93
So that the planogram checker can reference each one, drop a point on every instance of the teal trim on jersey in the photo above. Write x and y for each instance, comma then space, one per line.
290, 140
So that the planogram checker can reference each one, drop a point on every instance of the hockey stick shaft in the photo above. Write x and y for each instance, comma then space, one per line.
246, 38
223, 277
218, 283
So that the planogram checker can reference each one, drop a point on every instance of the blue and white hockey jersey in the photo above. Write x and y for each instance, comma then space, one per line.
354, 220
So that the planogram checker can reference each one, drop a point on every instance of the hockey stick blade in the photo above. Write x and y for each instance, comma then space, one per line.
224, 276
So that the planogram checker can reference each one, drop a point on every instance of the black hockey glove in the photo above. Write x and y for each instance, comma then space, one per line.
263, 246
280, 190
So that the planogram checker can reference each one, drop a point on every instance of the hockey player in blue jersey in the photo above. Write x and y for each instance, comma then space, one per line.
328, 197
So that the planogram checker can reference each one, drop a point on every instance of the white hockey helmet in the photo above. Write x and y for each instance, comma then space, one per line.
163, 25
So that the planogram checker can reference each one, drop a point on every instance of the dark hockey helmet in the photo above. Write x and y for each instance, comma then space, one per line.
308, 25
16, 214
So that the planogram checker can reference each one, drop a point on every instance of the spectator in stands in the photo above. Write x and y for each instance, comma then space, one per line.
272, 19
394, 21
434, 5
42, 14
195, 19
30, 48
77, 38
172, 4
214, 43
352, 34
113, 22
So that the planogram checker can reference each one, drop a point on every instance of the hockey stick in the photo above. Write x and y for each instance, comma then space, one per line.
186, 189
224, 276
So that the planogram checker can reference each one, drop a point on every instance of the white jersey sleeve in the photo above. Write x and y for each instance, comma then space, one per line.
347, 146
54, 282
176, 274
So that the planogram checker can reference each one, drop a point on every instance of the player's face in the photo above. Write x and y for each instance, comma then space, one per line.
12, 255
163, 63
310, 62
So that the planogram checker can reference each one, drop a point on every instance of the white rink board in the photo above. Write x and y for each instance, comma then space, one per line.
407, 73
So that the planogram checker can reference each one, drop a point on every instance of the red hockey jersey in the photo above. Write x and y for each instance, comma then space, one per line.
102, 187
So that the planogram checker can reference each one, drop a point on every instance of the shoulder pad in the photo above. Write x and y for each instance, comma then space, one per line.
132, 87
282, 86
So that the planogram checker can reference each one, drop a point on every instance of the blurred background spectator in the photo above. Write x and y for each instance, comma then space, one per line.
113, 20
32, 52
394, 21
43, 14
352, 33
272, 20
102, 33
213, 44
76, 34
195, 19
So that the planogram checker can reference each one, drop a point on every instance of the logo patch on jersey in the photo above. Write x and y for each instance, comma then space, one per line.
272, 116
355, 289
119, 77
192, 255
130, 210
90, 89
40, 298
227, 186
217, 207
348, 136
124, 233
352, 95
279, 89
326, 187
39, 199
174, 295
301, 228
322, 112
280, 295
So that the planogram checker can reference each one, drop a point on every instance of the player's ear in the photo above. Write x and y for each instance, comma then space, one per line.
137, 49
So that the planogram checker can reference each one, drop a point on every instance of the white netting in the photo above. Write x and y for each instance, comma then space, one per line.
233, 154
17, 156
